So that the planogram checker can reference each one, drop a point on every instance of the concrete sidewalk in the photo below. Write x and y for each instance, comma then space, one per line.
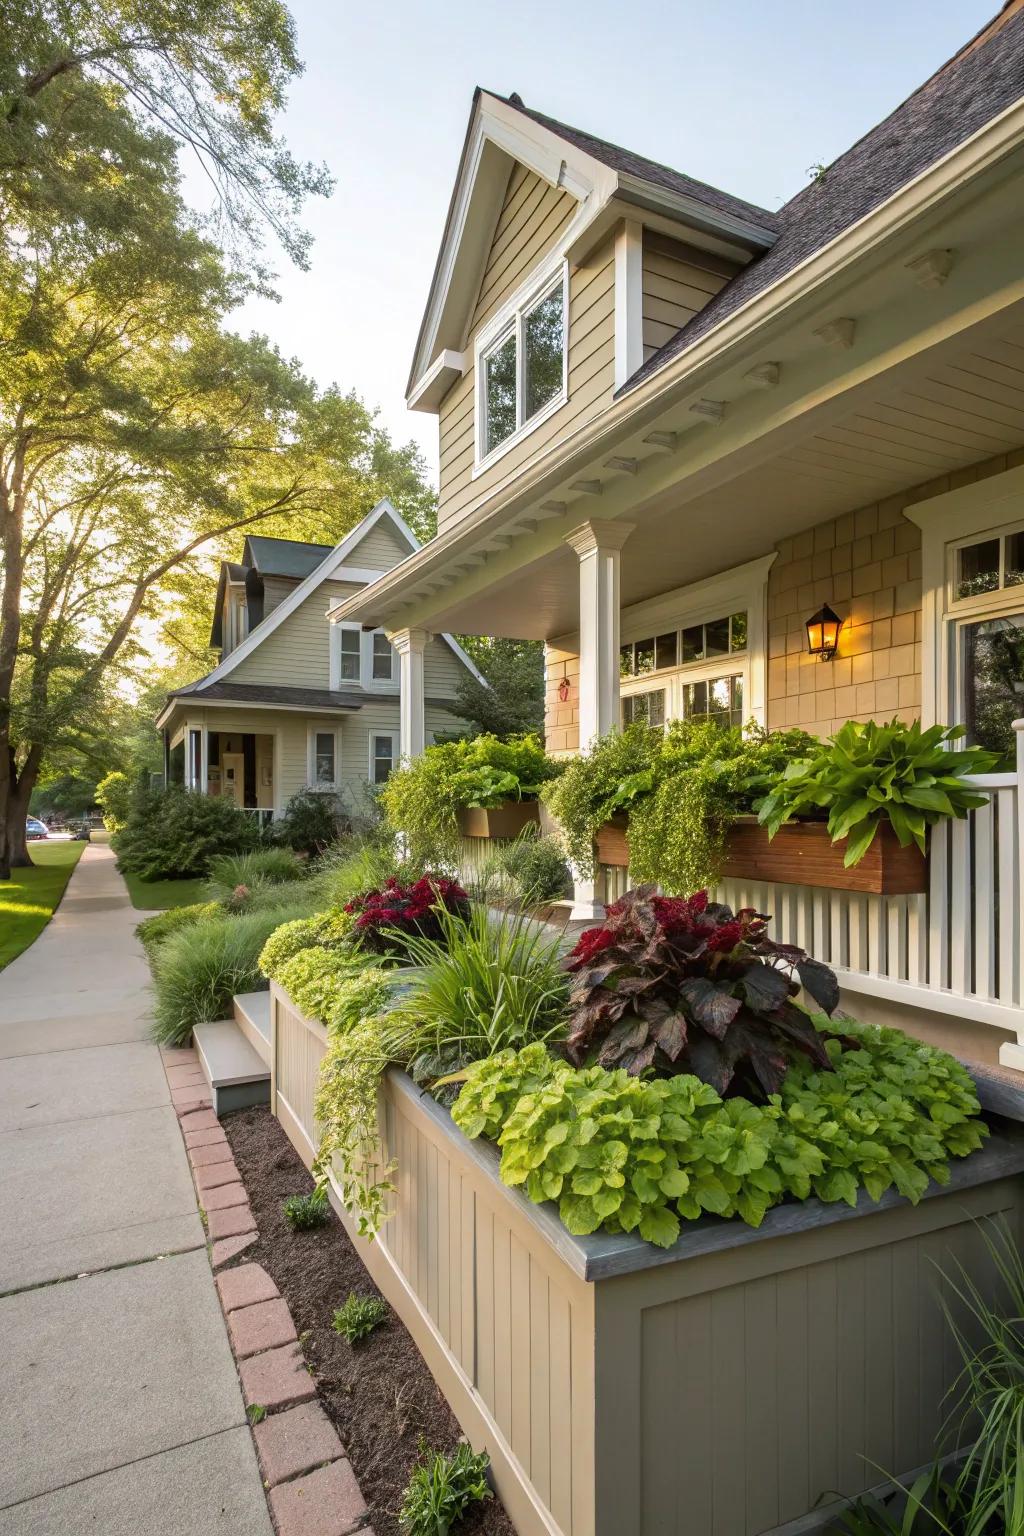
122, 1409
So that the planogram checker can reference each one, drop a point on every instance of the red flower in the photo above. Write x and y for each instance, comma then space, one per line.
590, 943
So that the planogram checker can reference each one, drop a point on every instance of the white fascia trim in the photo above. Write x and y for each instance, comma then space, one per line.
447, 366
691, 210
327, 570
188, 700
551, 158
699, 600
629, 301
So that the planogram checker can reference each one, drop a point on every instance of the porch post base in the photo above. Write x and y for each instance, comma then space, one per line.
1011, 1054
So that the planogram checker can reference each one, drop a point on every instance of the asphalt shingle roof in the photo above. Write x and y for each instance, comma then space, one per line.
267, 693
284, 557
969, 91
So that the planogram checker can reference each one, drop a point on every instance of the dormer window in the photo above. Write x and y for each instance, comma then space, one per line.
522, 367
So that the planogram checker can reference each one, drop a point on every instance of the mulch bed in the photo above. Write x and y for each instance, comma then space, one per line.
379, 1393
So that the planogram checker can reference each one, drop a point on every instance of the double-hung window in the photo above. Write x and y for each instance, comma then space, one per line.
383, 658
383, 755
695, 672
323, 754
522, 370
985, 606
350, 645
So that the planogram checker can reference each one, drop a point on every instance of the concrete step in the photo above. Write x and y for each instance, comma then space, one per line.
237, 1076
252, 1015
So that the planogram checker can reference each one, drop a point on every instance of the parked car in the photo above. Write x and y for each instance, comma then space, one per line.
35, 828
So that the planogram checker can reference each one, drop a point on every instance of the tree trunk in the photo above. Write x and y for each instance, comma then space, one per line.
15, 794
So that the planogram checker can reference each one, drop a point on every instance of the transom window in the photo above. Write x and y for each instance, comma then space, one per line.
693, 643
989, 565
523, 370
351, 649
715, 698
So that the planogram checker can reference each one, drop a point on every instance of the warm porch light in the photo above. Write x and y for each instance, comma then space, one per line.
823, 633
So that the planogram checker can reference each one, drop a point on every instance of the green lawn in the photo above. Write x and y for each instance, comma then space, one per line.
155, 895
27, 900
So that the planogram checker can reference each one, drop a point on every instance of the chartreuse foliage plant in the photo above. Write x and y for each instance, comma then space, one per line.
680, 788
330, 931
442, 1488
336, 987
633, 1154
422, 799
870, 774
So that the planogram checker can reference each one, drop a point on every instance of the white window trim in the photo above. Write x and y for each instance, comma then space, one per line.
396, 745
508, 318
365, 680
378, 684
742, 589
314, 729
992, 506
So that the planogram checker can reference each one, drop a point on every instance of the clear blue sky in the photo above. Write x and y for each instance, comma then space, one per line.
745, 95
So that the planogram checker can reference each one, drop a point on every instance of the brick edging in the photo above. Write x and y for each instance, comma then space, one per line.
309, 1482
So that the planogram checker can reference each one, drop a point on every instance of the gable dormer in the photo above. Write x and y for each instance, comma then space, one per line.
565, 263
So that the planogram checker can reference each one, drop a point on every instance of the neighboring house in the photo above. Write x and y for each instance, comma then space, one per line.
673, 425
296, 701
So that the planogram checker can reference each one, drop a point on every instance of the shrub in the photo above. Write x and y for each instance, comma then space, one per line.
114, 795
327, 930
304, 1213
868, 774
338, 988
347, 870
175, 833
422, 799
680, 789
259, 867
359, 1316
312, 820
536, 867
628, 1154
198, 970
154, 930
442, 1488
687, 986
386, 918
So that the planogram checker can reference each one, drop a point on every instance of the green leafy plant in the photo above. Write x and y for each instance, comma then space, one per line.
312, 820
686, 985
114, 795
329, 984
173, 833
422, 799
359, 1316
198, 969
256, 1413
304, 1213
870, 774
442, 1488
154, 930
639, 1154
608, 777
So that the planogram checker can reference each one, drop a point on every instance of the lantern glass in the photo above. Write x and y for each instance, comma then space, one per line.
823, 633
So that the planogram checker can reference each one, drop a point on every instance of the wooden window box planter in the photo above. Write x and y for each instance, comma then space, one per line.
800, 853
505, 821
723, 1386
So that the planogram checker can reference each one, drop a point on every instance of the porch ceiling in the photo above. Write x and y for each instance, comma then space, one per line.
960, 403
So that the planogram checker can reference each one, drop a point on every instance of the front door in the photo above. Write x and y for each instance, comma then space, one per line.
233, 771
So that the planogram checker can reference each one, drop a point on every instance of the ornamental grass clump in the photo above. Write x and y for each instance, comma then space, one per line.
868, 775
687, 985
625, 1153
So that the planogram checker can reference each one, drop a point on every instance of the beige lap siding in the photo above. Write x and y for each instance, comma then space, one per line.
678, 281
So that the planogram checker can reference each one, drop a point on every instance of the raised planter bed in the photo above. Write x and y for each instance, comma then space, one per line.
507, 820
725, 1386
800, 853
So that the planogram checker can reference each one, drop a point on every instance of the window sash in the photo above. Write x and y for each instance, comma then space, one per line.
382, 659
515, 329
383, 756
349, 654
325, 752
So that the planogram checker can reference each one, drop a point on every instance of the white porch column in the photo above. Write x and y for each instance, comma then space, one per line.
410, 645
1011, 1054
597, 545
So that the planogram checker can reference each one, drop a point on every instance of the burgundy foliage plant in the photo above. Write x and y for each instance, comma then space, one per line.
687, 985
382, 916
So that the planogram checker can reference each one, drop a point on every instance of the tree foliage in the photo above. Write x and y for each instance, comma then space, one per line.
511, 702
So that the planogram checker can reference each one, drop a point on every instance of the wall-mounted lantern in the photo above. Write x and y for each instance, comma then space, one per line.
823, 633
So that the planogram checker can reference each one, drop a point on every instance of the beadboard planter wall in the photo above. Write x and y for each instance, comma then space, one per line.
504, 821
719, 1387
800, 853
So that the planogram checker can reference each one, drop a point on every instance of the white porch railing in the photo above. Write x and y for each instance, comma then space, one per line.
955, 950
264, 814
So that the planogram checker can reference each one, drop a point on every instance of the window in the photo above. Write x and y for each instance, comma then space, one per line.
325, 747
989, 565
648, 707
383, 755
992, 686
383, 658
195, 757
696, 642
351, 652
522, 371
715, 698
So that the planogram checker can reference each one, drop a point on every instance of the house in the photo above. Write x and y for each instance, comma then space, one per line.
295, 701
673, 425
